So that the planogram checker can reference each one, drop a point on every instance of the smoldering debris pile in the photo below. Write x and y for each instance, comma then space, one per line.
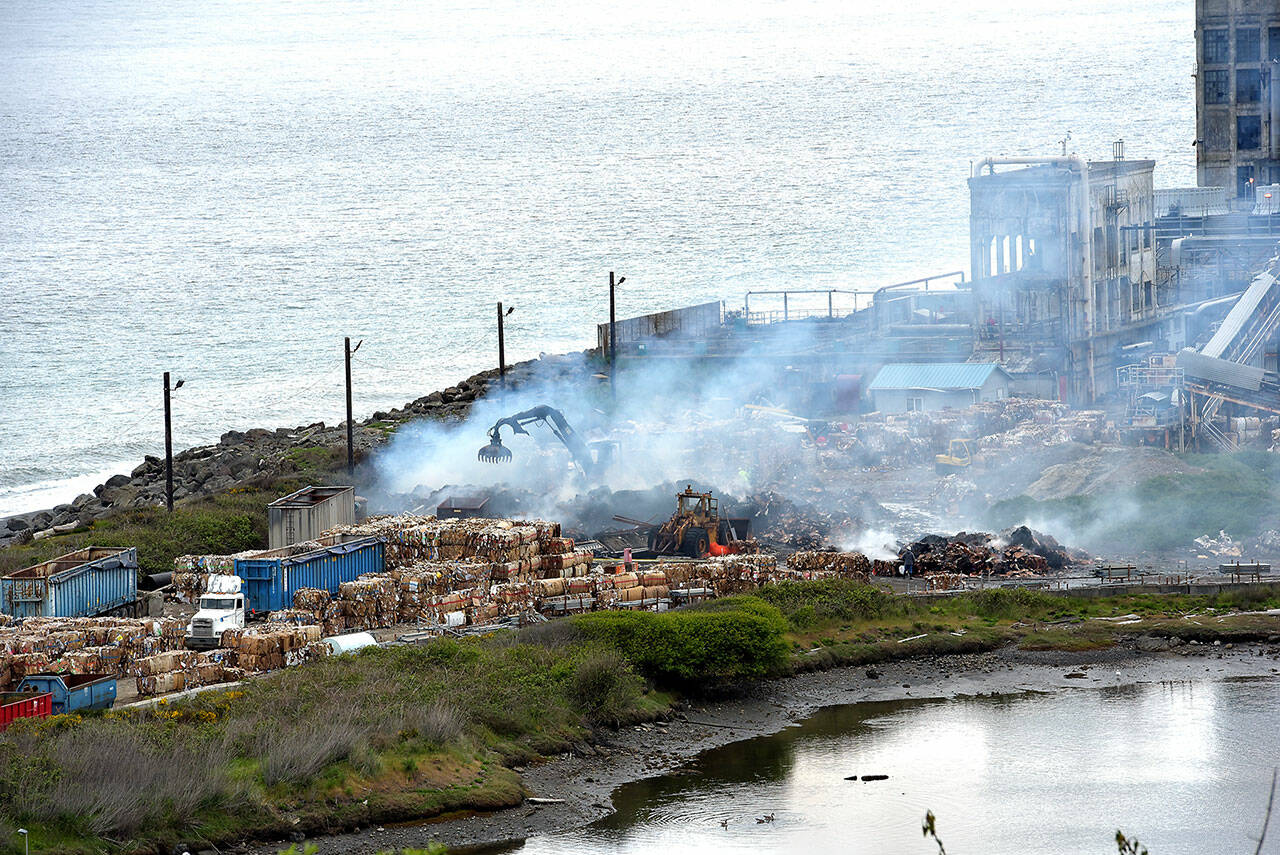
1016, 552
788, 524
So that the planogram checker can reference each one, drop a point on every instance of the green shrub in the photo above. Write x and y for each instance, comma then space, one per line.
806, 603
1007, 603
731, 639
605, 688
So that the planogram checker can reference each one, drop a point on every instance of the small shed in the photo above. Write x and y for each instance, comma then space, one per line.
303, 515
919, 387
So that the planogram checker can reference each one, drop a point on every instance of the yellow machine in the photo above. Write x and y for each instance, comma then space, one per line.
696, 528
959, 458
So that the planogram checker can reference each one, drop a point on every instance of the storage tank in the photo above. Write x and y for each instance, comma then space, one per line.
303, 515
87, 582
270, 580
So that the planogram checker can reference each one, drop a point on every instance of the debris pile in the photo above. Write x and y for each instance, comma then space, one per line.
1221, 546
780, 521
1016, 552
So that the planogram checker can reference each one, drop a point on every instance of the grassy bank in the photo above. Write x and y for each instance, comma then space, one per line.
412, 732
220, 524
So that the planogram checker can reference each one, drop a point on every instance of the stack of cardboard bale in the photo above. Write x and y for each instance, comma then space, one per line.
268, 647
102, 645
191, 572
819, 565
736, 574
274, 646
370, 602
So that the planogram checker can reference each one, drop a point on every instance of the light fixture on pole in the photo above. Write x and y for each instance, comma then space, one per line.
25, 840
168, 442
502, 347
613, 331
351, 449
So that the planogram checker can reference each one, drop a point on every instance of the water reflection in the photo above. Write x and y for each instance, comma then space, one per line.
1183, 766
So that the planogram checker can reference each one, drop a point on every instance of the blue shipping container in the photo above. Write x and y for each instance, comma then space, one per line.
270, 582
83, 583
73, 692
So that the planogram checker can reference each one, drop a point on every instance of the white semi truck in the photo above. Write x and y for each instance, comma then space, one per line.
221, 607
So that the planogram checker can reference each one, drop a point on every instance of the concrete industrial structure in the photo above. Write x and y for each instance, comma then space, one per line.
1237, 96
1064, 268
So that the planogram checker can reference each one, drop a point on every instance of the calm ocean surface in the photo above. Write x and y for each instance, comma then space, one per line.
226, 188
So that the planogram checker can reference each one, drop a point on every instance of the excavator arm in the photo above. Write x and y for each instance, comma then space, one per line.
496, 452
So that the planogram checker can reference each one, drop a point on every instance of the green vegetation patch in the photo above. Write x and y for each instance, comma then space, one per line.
1235, 493
726, 641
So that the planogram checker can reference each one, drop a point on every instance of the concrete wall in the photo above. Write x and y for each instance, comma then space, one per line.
687, 322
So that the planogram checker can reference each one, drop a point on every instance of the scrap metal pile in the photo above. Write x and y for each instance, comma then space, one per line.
1016, 552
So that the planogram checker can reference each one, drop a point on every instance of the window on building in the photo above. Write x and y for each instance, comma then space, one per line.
1217, 85
917, 405
1273, 43
1244, 182
1217, 49
1248, 85
1248, 132
1248, 43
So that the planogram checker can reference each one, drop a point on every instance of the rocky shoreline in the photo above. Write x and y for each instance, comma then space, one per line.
241, 457
585, 779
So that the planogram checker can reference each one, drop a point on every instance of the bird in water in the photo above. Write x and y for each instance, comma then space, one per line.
766, 818
724, 823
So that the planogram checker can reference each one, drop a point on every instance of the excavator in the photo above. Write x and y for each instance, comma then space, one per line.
591, 459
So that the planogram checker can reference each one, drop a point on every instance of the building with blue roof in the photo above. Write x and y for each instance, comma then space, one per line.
917, 387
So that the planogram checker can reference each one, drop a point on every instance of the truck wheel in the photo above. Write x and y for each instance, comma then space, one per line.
695, 543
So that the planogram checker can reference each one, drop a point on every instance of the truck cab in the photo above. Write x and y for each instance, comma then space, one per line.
221, 608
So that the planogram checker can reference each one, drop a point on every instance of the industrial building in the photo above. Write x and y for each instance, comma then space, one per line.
1237, 99
1064, 269
925, 387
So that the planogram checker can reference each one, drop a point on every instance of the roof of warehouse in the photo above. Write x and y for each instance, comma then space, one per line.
934, 375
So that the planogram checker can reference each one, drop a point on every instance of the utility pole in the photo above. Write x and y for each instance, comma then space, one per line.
351, 448
168, 448
502, 352
613, 334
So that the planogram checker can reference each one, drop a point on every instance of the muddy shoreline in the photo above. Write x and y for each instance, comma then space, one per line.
585, 779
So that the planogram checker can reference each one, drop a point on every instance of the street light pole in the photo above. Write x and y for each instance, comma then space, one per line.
502, 352
168, 448
613, 333
351, 448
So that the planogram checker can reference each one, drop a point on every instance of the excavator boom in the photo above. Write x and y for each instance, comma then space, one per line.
496, 452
